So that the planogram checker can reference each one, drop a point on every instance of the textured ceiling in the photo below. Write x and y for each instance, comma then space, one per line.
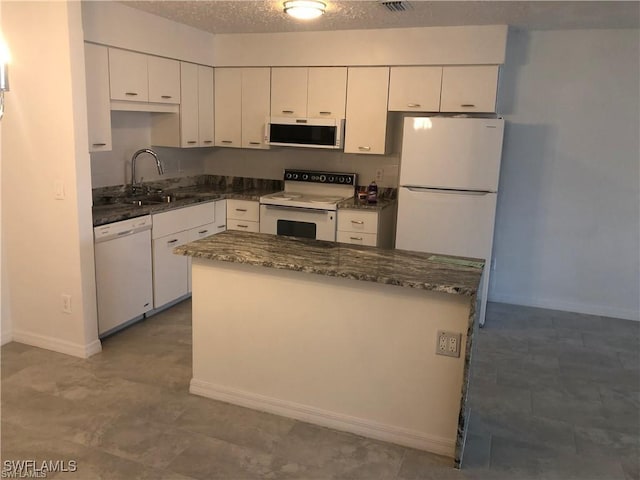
256, 16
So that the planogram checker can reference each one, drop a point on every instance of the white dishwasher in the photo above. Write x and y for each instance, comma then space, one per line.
123, 272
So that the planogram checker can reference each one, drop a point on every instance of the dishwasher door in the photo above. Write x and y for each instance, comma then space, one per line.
123, 273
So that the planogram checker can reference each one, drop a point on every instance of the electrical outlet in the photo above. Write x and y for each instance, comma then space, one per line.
66, 303
448, 343
379, 175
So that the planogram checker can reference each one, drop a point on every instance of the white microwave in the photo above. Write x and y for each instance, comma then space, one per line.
305, 132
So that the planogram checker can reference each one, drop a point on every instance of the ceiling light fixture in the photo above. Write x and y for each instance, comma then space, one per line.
304, 9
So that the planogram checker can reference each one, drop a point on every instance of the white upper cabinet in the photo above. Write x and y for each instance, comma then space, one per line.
128, 75
193, 126
164, 80
289, 92
189, 105
205, 106
98, 101
469, 88
256, 92
228, 105
327, 92
136, 77
314, 92
415, 89
366, 119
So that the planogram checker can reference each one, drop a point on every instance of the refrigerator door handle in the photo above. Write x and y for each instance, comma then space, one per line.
448, 190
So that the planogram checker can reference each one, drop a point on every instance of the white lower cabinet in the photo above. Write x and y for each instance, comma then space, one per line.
243, 215
172, 273
366, 227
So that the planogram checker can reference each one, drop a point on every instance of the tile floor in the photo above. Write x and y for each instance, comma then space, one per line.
554, 396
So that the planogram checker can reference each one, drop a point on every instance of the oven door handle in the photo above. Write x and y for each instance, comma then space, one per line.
298, 209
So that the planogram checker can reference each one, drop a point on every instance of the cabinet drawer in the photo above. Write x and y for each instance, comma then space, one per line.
247, 210
181, 219
358, 238
243, 225
357, 221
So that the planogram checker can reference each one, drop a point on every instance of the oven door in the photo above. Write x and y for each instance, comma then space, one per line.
298, 222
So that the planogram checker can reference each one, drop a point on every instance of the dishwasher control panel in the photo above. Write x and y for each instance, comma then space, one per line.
124, 227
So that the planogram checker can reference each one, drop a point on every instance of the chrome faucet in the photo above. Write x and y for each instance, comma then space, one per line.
134, 186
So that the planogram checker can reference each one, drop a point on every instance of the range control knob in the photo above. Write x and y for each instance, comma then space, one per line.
332, 179
341, 179
295, 176
305, 177
288, 175
323, 178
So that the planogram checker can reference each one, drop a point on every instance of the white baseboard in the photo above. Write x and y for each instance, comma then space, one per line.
57, 345
566, 306
338, 421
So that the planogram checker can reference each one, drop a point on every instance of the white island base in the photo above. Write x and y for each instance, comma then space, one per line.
353, 355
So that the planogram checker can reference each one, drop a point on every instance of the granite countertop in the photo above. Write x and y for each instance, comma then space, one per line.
354, 203
114, 212
371, 264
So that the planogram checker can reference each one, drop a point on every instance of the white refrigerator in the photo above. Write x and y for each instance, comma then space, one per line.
449, 172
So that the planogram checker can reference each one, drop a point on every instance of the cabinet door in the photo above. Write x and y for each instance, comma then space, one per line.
469, 88
228, 104
164, 80
205, 106
327, 92
128, 76
220, 223
415, 89
170, 272
188, 105
289, 92
98, 102
366, 120
256, 91
196, 234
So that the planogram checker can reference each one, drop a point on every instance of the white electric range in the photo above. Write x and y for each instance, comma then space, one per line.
307, 206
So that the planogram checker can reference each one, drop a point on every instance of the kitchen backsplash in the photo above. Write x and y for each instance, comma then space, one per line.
132, 131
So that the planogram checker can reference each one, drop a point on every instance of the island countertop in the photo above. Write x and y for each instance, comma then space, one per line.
426, 271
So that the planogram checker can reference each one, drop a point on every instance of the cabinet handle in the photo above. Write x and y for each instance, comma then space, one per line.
227, 141
324, 113
364, 149
357, 222
172, 241
166, 96
99, 144
208, 141
467, 105
243, 226
356, 238
191, 142
287, 111
221, 226
201, 232
131, 94
254, 143
241, 209
413, 105
120, 234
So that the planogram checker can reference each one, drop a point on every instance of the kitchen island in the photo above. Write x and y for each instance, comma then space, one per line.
334, 334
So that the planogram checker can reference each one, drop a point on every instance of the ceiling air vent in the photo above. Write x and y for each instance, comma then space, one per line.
400, 6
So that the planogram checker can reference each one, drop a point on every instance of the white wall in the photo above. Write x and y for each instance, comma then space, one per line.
114, 24
567, 227
48, 243
391, 46
130, 132
271, 163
